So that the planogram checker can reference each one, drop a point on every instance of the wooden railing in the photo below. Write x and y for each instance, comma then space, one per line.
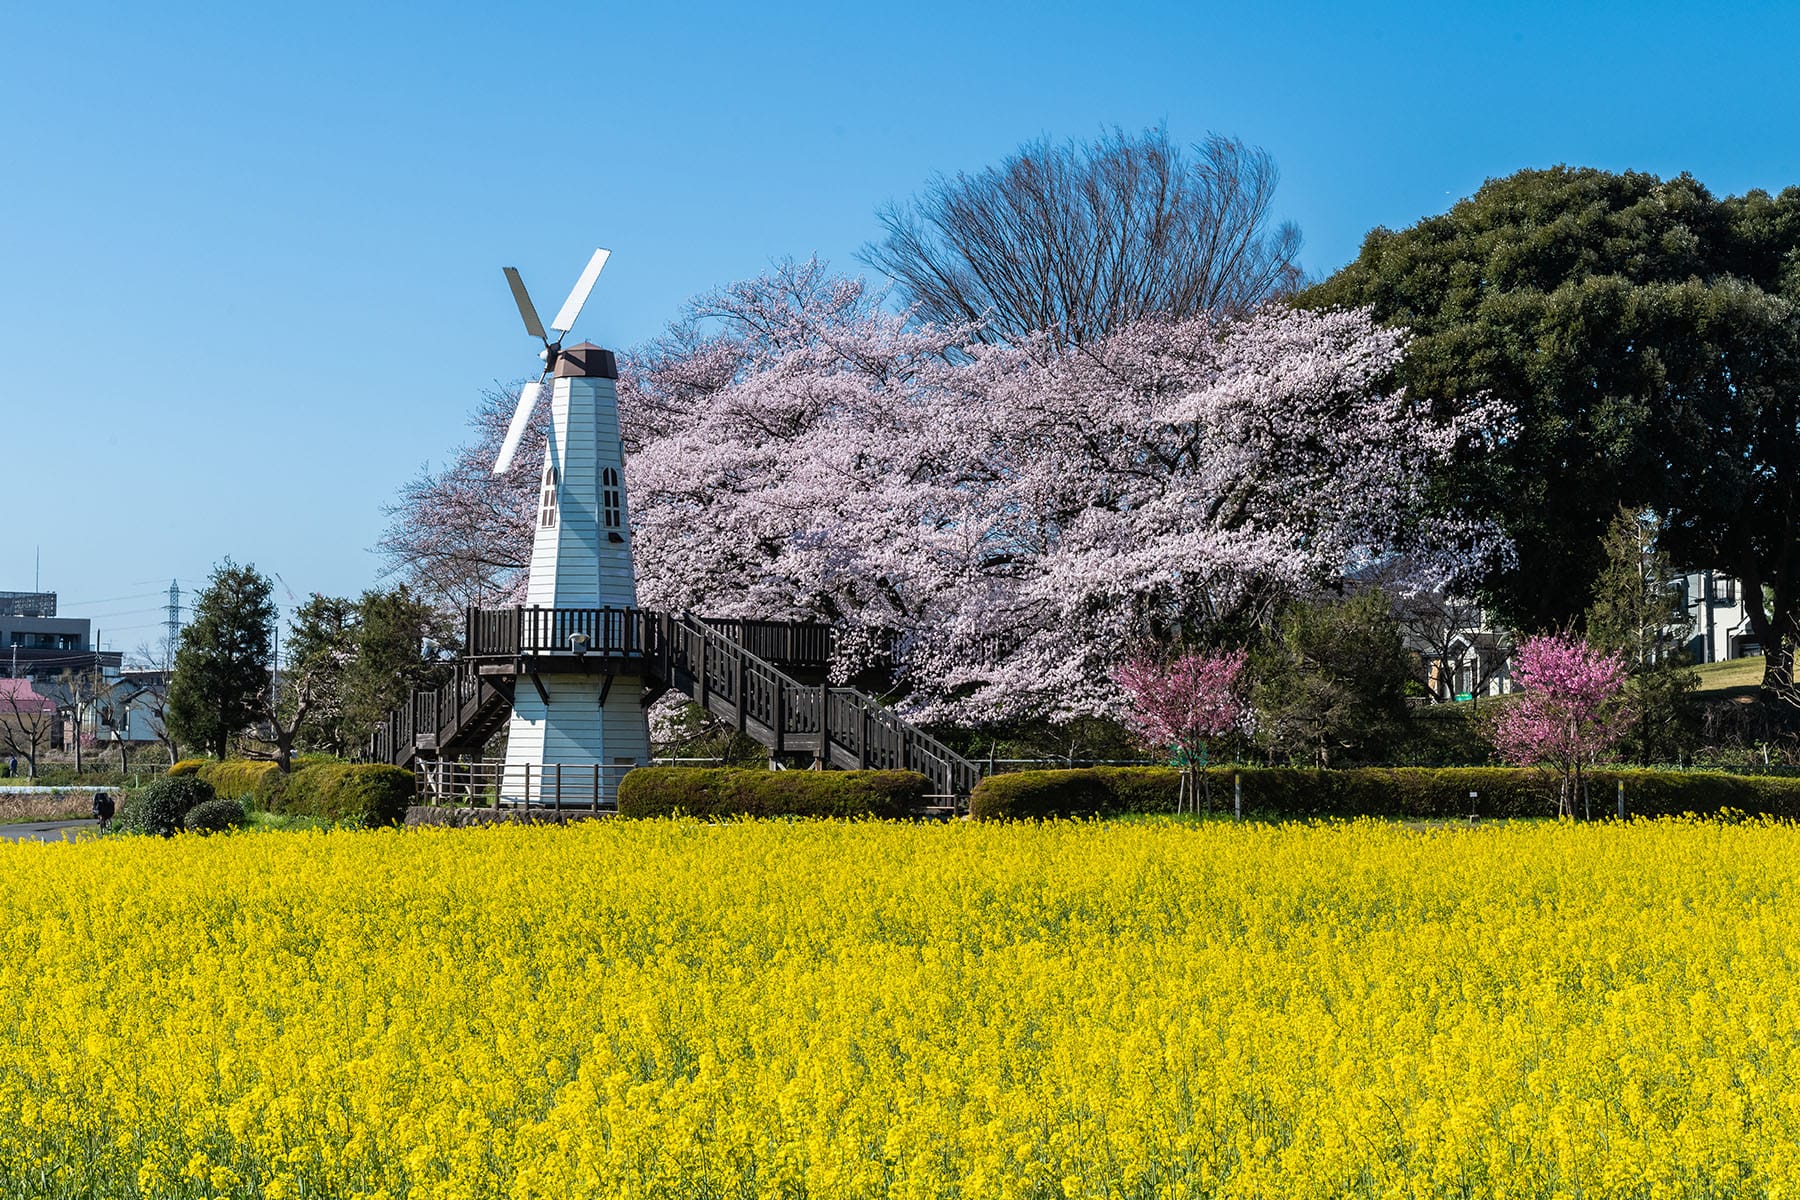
842, 724
510, 632
879, 740
630, 633
790, 643
430, 713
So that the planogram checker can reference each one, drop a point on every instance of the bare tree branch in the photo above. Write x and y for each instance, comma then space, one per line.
1080, 239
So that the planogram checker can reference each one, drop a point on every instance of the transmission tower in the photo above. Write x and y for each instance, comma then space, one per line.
174, 614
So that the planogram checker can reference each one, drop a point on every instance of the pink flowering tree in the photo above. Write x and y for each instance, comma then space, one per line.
1183, 704
1569, 711
997, 522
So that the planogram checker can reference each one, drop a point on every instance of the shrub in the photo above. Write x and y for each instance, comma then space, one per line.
161, 807
368, 794
1416, 793
215, 816
239, 777
1028, 795
188, 766
1154, 789
735, 792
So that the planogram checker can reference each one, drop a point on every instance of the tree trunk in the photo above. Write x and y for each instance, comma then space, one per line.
1777, 628
1778, 675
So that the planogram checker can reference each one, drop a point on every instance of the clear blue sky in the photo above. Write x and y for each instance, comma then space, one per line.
250, 254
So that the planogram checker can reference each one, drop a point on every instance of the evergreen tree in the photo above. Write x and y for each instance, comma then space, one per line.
1647, 336
220, 684
1638, 615
396, 641
1331, 682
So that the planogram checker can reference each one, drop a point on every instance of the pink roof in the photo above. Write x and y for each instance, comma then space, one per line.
17, 695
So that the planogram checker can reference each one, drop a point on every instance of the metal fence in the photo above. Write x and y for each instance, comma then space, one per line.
558, 786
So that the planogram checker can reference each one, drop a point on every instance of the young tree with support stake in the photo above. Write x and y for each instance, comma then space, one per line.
1569, 712
1184, 703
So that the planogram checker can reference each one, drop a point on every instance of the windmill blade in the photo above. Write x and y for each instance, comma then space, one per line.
515, 432
565, 319
522, 298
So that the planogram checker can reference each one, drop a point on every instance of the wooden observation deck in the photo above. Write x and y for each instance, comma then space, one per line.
766, 679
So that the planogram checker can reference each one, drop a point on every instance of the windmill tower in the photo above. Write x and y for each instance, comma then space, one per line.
584, 720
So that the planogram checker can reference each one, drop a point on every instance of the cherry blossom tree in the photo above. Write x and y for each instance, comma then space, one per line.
459, 536
1568, 713
1183, 704
992, 523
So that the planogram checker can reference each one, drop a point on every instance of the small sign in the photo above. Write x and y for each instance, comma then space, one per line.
1465, 695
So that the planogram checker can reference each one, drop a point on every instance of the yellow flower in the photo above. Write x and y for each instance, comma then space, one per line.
668, 1009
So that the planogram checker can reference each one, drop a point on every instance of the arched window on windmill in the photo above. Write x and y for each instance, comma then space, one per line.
547, 504
611, 504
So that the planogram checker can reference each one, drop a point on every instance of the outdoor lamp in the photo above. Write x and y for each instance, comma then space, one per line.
578, 642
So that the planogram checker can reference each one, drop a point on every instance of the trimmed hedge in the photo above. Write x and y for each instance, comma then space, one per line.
368, 794
735, 792
237, 778
1019, 795
1401, 792
188, 766
364, 793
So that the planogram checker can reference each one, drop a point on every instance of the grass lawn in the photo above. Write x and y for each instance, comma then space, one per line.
1736, 678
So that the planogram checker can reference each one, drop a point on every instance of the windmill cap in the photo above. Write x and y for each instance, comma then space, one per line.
587, 361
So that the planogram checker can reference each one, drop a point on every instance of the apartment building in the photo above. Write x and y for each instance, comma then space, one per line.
35, 643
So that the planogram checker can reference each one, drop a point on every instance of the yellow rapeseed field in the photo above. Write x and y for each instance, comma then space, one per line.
824, 1010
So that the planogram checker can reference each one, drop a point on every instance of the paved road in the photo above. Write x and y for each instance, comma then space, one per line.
47, 831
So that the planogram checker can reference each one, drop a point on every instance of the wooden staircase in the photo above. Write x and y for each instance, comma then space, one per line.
839, 727
766, 679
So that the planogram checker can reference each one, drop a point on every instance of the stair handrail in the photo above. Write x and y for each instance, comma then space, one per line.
956, 774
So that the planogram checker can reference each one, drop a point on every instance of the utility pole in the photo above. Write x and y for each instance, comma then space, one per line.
1706, 614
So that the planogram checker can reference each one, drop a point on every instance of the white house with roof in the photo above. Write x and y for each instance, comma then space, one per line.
1720, 618
1463, 654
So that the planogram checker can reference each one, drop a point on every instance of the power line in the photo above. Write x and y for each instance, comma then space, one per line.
105, 599
119, 612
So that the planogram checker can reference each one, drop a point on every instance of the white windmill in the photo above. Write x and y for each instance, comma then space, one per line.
583, 712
